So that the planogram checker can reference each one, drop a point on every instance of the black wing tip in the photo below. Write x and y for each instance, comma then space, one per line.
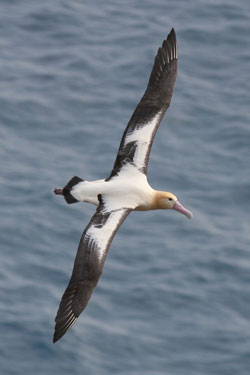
172, 33
171, 37
57, 334
170, 45
62, 327
65, 316
165, 64
56, 337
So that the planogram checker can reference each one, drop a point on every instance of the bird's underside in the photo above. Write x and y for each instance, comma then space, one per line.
125, 189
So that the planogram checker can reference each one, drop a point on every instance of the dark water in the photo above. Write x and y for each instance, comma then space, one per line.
175, 294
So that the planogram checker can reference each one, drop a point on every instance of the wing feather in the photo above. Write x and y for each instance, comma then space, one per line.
139, 134
89, 261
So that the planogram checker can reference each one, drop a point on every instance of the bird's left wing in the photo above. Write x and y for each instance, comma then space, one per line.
139, 134
89, 261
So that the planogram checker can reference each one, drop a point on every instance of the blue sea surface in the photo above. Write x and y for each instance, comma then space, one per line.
174, 297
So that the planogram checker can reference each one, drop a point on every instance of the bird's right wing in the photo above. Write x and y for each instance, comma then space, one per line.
89, 261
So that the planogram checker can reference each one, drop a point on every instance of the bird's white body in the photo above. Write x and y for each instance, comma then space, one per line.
130, 189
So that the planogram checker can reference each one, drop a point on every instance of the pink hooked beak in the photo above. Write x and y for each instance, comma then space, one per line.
178, 207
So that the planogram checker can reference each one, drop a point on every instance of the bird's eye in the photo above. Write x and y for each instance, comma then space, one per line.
170, 199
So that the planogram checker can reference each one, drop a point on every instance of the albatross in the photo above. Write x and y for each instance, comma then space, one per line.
125, 190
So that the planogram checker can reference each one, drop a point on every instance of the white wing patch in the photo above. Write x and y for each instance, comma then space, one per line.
101, 235
142, 136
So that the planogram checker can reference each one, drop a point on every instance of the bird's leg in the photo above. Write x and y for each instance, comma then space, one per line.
58, 191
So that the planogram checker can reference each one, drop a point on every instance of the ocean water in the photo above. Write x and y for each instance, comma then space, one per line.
174, 297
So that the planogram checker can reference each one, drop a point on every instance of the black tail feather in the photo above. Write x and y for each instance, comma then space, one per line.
67, 188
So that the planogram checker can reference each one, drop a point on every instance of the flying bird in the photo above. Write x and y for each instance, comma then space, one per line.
126, 189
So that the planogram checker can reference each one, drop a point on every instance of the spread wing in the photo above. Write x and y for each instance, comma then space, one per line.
139, 134
89, 261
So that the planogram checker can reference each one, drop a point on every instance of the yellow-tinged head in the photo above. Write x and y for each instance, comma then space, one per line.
165, 200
